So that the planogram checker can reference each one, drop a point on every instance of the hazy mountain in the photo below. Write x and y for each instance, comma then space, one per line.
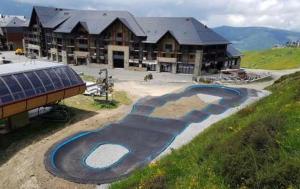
256, 38
10, 7
243, 38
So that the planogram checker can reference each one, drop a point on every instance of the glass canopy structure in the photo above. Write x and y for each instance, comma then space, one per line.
25, 87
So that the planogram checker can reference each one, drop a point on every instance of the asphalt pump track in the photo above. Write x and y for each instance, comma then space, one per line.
144, 136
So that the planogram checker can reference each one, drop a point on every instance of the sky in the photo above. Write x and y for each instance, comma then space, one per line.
283, 14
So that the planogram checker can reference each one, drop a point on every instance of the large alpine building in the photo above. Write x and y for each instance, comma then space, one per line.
121, 40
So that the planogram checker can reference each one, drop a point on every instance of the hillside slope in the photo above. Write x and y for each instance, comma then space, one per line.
256, 38
258, 147
272, 59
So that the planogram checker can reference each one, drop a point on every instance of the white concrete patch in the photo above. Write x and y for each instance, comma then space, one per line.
106, 155
209, 98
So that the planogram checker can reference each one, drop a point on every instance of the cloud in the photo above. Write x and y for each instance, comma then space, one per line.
283, 14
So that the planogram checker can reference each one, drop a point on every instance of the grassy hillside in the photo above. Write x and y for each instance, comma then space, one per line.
259, 147
256, 38
272, 59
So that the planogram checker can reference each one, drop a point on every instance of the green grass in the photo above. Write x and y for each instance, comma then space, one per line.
97, 103
272, 59
259, 147
89, 103
88, 78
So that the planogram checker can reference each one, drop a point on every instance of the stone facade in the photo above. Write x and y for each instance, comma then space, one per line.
124, 49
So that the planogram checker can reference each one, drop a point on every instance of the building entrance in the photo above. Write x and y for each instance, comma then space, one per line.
118, 59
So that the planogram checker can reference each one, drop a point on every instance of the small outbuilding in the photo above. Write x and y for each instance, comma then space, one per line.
12, 32
233, 57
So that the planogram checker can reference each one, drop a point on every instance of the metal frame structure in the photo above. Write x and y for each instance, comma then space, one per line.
24, 91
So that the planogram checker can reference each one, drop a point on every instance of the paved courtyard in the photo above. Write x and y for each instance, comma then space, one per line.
118, 74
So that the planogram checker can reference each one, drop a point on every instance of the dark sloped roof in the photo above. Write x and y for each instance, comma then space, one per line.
50, 17
59, 18
12, 21
97, 21
233, 52
187, 31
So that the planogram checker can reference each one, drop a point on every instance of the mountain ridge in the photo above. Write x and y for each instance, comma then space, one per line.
256, 38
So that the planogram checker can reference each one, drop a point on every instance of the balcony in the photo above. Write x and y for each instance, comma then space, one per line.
33, 39
135, 49
33, 46
107, 39
149, 61
81, 54
167, 60
186, 51
80, 45
136, 61
70, 45
168, 50
36, 33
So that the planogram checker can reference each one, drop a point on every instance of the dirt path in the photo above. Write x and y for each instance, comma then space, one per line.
26, 168
151, 88
179, 108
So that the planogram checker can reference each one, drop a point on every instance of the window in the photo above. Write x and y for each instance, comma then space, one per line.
192, 56
169, 47
119, 35
132, 36
83, 49
83, 41
107, 35
59, 41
